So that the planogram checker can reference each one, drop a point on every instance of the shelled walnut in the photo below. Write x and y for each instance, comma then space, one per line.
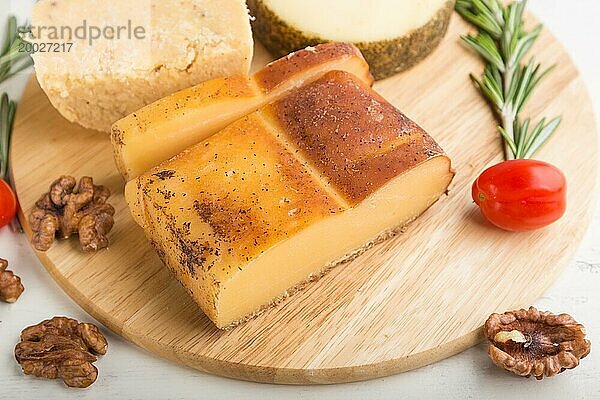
65, 211
62, 348
532, 342
10, 284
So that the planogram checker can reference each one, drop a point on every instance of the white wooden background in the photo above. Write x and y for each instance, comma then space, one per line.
131, 373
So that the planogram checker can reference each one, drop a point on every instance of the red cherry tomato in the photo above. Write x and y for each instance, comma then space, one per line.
8, 203
521, 195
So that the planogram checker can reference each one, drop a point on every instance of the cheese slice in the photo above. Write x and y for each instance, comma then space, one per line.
282, 195
393, 35
163, 129
110, 58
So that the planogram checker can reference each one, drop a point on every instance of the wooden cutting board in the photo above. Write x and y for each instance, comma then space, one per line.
413, 300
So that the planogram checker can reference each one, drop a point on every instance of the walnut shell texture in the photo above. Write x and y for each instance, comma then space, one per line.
531, 342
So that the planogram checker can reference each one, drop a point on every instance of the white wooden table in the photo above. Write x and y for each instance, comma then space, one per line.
131, 373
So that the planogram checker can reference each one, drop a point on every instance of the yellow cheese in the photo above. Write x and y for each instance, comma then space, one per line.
282, 195
393, 35
163, 129
356, 21
116, 56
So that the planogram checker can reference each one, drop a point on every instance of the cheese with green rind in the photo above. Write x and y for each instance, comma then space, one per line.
393, 35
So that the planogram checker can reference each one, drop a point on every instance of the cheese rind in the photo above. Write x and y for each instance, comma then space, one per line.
162, 129
351, 134
393, 35
176, 45
221, 203
259, 208
372, 21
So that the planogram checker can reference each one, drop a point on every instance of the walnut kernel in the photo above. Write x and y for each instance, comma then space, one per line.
10, 284
65, 210
531, 342
61, 348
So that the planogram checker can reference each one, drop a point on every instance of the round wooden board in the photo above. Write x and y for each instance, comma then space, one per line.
410, 301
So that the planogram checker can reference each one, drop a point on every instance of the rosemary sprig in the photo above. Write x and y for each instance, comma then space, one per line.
507, 84
7, 113
12, 60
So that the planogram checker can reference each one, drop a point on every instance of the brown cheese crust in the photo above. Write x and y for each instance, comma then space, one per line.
220, 204
237, 86
296, 62
352, 135
164, 128
244, 193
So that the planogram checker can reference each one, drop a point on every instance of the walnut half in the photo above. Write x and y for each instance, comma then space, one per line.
10, 284
62, 348
532, 342
65, 210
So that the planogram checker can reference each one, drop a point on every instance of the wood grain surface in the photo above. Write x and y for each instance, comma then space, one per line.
410, 301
